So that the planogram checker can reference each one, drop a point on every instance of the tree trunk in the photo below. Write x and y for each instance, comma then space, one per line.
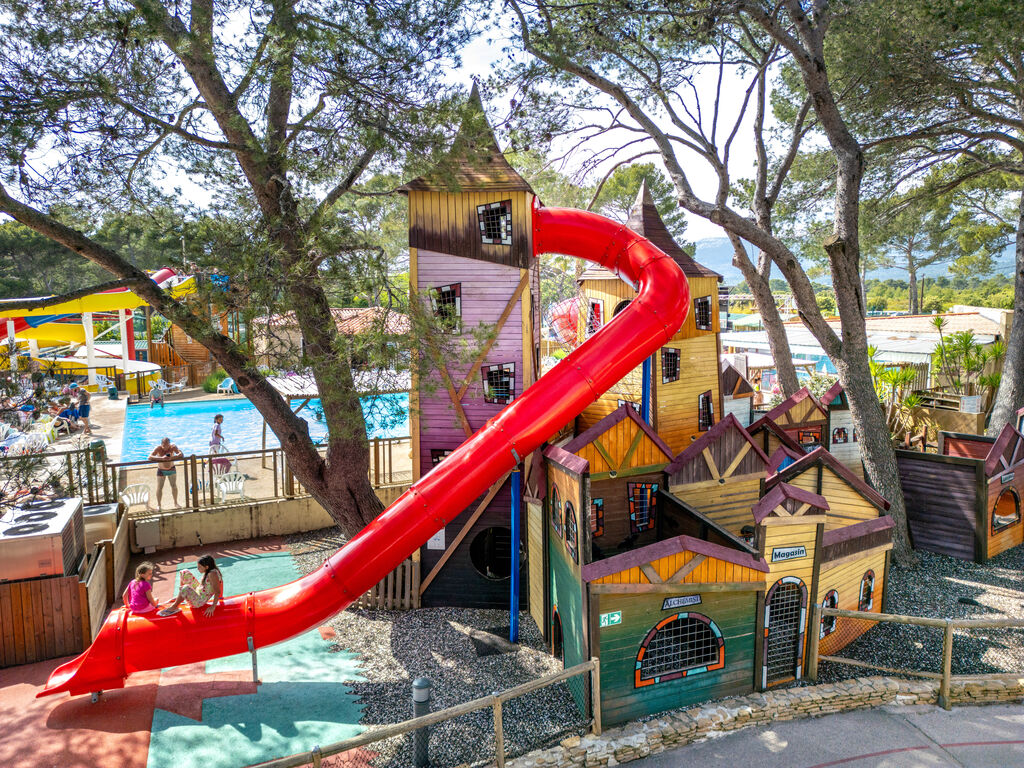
1010, 396
778, 341
912, 306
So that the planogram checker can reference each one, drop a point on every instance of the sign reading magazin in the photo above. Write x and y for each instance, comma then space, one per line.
782, 554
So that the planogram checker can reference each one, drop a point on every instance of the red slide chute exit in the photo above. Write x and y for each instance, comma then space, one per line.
127, 644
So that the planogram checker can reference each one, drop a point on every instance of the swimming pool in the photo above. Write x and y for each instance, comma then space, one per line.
189, 424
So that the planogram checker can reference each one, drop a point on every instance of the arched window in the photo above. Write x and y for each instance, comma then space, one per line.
556, 511
621, 306
1006, 512
828, 623
867, 592
681, 645
570, 531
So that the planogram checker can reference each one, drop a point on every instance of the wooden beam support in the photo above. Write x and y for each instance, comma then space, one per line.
523, 282
632, 449
712, 467
652, 575
648, 589
463, 533
736, 460
686, 570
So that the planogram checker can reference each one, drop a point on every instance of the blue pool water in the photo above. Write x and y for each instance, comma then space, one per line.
189, 424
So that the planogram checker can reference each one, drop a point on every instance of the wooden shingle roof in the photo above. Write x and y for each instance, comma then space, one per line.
474, 161
645, 220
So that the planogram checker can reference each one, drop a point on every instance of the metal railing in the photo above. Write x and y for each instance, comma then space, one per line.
945, 676
493, 702
200, 473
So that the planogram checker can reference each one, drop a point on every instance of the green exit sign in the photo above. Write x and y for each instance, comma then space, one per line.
610, 619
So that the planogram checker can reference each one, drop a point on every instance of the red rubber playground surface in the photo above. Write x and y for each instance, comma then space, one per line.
73, 732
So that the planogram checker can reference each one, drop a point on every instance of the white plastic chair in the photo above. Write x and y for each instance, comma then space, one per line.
231, 483
132, 495
174, 386
45, 427
227, 387
104, 382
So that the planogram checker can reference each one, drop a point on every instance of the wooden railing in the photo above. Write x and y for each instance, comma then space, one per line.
945, 676
494, 702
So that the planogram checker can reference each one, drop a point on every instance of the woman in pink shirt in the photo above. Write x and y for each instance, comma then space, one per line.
138, 597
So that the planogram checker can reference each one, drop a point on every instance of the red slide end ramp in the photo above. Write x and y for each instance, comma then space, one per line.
127, 644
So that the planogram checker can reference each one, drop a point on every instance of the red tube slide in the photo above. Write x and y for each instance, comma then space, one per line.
128, 644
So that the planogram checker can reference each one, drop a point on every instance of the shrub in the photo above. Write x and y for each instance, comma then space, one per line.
211, 382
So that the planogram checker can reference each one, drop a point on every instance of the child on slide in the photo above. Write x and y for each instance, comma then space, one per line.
199, 593
138, 596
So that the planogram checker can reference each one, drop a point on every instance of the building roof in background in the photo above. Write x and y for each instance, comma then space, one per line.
474, 161
645, 220
981, 320
734, 383
349, 320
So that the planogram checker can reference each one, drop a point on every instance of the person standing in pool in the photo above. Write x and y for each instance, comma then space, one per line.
165, 454
216, 436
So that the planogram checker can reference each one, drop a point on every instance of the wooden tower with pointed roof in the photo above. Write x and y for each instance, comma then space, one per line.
471, 266
686, 393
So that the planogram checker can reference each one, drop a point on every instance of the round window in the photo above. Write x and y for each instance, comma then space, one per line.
491, 553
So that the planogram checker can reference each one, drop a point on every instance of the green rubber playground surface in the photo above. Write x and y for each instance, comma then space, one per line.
302, 701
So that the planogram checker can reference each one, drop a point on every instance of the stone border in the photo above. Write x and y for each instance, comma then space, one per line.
676, 729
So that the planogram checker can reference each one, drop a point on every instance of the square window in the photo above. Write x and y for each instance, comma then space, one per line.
669, 365
702, 313
437, 455
597, 517
641, 506
495, 222
499, 383
446, 301
705, 412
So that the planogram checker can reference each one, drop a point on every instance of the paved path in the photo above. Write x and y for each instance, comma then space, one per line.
888, 737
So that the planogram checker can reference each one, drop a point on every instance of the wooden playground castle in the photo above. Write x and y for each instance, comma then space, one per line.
660, 533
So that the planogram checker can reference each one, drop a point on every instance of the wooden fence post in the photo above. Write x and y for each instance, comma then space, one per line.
947, 665
499, 733
595, 693
814, 637
195, 482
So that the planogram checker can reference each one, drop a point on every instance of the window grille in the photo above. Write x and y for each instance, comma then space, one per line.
446, 301
597, 517
678, 646
669, 365
785, 618
437, 455
840, 436
495, 222
867, 592
556, 511
595, 316
705, 412
828, 623
570, 532
641, 506
499, 382
702, 313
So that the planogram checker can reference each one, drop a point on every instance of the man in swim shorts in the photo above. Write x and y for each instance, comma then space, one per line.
164, 454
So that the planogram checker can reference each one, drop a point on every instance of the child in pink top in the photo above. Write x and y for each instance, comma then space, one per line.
138, 597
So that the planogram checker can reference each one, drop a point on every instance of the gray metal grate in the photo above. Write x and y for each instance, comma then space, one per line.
783, 632
680, 644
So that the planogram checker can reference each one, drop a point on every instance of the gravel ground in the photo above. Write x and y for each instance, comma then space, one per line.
943, 587
396, 647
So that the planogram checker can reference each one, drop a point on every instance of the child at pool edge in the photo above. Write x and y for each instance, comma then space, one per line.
199, 593
216, 436
138, 595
